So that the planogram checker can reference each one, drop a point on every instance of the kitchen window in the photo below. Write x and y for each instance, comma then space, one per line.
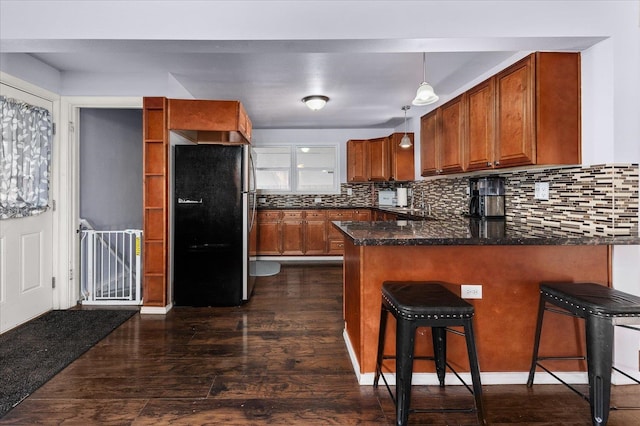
297, 169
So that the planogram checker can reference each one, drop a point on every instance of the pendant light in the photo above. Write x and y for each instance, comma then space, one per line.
405, 142
425, 94
315, 102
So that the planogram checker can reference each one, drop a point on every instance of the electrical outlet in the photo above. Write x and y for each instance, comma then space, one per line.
541, 191
349, 191
471, 291
262, 200
317, 200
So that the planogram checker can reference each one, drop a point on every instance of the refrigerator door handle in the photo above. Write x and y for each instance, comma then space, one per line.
252, 190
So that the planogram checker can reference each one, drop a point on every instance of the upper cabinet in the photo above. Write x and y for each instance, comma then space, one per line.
210, 120
540, 97
357, 160
442, 139
379, 159
402, 159
528, 114
480, 120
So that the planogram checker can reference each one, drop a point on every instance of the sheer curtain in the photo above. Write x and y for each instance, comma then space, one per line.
25, 154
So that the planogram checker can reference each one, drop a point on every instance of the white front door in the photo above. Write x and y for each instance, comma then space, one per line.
26, 259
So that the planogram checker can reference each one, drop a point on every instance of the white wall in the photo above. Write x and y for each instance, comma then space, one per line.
338, 137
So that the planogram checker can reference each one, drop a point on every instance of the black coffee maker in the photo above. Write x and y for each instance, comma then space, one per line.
486, 197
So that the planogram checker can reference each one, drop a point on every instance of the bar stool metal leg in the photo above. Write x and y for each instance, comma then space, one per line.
405, 342
599, 331
440, 351
381, 338
536, 343
474, 366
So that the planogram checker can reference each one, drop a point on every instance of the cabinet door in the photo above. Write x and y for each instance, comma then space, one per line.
337, 215
315, 232
480, 133
402, 159
268, 230
379, 164
363, 215
515, 120
451, 141
292, 232
357, 169
429, 161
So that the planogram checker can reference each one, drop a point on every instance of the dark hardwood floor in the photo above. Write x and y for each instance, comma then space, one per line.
279, 359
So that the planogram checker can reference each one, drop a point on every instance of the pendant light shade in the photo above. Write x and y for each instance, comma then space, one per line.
405, 142
425, 94
315, 102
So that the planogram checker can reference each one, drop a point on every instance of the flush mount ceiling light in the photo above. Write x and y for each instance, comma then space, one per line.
425, 94
405, 142
315, 102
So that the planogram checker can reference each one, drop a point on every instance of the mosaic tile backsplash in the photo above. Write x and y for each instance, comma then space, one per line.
600, 200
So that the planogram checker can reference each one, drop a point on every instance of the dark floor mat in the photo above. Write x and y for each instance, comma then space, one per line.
34, 352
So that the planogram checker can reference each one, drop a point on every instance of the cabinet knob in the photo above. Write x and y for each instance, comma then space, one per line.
497, 163
488, 163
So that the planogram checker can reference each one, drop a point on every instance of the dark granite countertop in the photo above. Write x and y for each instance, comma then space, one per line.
319, 207
467, 231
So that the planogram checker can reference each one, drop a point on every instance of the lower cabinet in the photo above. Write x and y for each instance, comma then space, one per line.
268, 232
292, 232
335, 237
315, 232
303, 232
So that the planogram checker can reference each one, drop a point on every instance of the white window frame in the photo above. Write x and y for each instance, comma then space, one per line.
293, 172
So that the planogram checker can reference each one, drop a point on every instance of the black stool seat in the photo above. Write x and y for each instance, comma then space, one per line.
430, 300
425, 304
592, 299
602, 308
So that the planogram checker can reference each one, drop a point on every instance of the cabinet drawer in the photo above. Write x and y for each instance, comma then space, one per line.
315, 215
339, 215
268, 215
336, 246
292, 215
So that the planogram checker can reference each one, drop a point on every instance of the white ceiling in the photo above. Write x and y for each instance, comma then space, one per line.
368, 80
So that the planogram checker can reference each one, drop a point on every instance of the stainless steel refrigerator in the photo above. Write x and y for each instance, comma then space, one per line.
214, 211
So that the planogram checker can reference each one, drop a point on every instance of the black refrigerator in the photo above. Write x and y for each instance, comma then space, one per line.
214, 211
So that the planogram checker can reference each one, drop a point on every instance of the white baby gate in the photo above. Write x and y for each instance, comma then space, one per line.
110, 262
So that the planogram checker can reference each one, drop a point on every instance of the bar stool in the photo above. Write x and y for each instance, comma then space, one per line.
425, 304
602, 308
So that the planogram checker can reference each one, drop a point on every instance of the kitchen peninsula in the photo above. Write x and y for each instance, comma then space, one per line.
507, 258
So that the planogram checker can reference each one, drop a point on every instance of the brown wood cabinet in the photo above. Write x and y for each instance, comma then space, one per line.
538, 111
292, 232
429, 155
481, 119
315, 232
402, 159
445, 138
303, 232
361, 215
528, 114
335, 238
357, 160
209, 120
268, 230
379, 159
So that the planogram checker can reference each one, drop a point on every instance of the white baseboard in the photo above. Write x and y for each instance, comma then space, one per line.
487, 378
156, 310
